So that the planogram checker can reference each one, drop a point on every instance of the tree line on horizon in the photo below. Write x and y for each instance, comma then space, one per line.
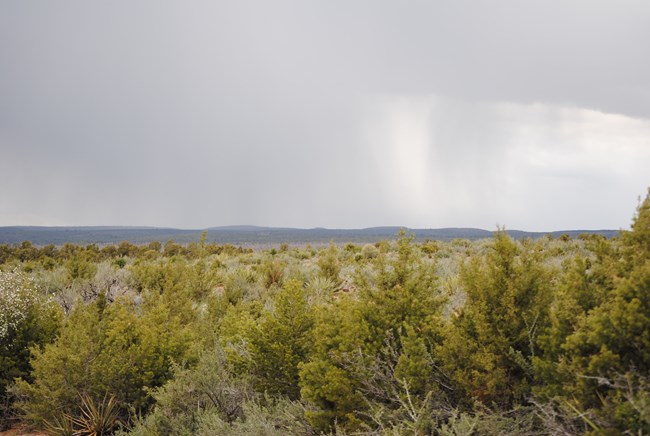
496, 336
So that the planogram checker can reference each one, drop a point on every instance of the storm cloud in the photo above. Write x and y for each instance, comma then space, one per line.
533, 115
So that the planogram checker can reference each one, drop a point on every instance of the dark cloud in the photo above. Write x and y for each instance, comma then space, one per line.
202, 113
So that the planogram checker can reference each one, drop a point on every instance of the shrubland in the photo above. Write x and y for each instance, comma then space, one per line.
496, 336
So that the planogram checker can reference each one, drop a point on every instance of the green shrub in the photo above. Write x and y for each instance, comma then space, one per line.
367, 346
103, 349
492, 341
329, 265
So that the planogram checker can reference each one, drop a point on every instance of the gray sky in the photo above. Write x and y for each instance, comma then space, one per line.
530, 114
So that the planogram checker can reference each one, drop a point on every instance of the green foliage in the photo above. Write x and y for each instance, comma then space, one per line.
272, 417
636, 243
112, 349
80, 269
329, 265
488, 337
332, 394
518, 421
273, 273
355, 342
210, 399
610, 348
280, 341
414, 365
596, 349
161, 276
202, 278
209, 388
430, 247
492, 341
404, 293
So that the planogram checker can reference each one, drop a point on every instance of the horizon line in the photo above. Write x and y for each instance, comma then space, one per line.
251, 227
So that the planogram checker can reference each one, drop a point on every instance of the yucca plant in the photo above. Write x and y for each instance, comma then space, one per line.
61, 425
321, 288
97, 419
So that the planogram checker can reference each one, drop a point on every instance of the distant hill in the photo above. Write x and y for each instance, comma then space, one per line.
250, 235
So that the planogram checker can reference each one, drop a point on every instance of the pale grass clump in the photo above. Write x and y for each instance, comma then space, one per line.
369, 251
320, 289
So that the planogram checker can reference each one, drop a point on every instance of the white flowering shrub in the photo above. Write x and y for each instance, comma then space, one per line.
28, 321
17, 295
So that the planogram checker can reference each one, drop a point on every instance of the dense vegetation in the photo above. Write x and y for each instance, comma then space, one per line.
497, 336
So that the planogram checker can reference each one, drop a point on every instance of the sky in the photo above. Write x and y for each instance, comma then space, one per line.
532, 115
